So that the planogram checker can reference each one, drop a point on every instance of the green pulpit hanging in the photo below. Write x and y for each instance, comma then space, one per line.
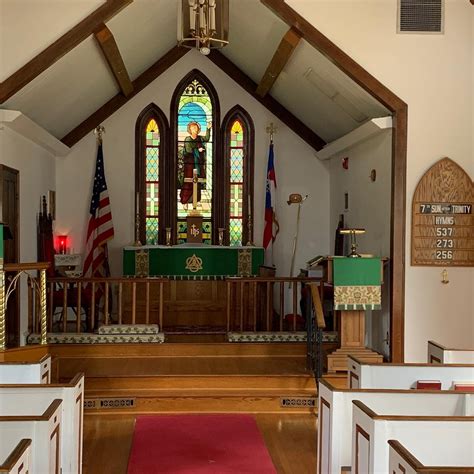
357, 283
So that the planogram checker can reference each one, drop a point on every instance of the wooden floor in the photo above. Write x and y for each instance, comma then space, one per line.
290, 439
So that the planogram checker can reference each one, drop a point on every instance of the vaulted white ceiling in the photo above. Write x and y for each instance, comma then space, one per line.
310, 86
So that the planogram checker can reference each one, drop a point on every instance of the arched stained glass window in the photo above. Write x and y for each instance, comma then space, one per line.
195, 154
152, 183
236, 184
151, 132
238, 152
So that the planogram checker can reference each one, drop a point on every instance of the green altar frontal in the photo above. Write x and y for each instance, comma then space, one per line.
191, 261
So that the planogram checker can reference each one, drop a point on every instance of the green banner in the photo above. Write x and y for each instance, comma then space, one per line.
348, 271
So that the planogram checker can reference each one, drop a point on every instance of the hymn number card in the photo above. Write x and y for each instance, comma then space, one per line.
442, 217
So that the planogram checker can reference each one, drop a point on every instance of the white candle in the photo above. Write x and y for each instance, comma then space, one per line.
212, 15
192, 14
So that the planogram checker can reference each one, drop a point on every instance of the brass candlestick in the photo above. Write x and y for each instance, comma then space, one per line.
168, 236
249, 232
137, 231
353, 233
221, 235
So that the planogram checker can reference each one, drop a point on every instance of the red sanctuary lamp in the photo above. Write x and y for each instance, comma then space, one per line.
62, 244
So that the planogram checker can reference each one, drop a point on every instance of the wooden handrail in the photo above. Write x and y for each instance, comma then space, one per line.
48, 413
19, 267
15, 455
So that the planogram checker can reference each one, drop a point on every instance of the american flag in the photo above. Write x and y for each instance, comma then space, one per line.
100, 228
271, 228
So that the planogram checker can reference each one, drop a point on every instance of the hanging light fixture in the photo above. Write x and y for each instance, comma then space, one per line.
203, 24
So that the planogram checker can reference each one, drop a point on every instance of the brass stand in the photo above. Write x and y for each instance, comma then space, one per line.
2, 309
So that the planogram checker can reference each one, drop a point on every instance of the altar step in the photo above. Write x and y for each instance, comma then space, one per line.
201, 393
187, 377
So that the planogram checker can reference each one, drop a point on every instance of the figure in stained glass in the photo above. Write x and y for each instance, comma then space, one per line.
194, 158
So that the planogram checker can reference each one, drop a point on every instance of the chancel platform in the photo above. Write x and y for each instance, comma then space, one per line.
191, 260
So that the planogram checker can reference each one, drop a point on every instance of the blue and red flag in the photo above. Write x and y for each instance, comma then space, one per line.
271, 223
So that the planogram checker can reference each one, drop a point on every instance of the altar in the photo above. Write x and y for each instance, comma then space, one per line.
193, 261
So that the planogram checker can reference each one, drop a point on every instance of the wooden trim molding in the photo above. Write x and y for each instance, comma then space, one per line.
281, 57
114, 104
407, 364
444, 348
15, 455
33, 68
415, 464
360, 431
320, 434
375, 416
106, 41
244, 81
399, 156
47, 414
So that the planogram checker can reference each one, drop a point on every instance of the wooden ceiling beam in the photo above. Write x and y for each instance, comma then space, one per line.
281, 57
59, 48
336, 55
106, 41
101, 114
304, 132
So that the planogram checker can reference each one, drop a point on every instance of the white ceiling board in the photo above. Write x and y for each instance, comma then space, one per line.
322, 96
69, 91
27, 27
144, 32
254, 35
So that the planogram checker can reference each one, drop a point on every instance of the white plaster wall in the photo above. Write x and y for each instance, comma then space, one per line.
434, 75
30, 26
297, 170
369, 208
37, 177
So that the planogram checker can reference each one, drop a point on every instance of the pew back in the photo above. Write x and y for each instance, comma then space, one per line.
26, 372
44, 430
18, 461
335, 415
403, 461
371, 432
404, 376
439, 354
30, 399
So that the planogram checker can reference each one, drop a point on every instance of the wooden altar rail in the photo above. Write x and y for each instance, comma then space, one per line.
93, 296
10, 284
258, 303
252, 304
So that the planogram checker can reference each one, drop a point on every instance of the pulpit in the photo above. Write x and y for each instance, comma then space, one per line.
357, 287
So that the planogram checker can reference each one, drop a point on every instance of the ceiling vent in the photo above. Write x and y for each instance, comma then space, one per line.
421, 16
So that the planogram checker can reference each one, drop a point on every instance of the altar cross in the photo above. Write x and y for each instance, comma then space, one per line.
195, 180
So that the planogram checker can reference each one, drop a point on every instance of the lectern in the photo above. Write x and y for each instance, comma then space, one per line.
357, 287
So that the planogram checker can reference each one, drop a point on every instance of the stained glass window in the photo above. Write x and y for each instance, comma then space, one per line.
195, 154
236, 183
152, 160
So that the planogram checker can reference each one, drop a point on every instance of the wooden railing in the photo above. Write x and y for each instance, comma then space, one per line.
77, 305
8, 286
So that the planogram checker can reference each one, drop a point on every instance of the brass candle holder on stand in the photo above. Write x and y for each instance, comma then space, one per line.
168, 236
353, 232
221, 235
137, 242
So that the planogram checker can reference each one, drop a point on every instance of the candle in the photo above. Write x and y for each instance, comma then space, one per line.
192, 15
212, 15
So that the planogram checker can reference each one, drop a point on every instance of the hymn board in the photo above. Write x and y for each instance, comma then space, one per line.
442, 231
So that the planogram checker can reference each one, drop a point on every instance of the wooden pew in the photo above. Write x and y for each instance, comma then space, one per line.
23, 399
371, 431
45, 433
403, 461
26, 372
403, 376
335, 415
438, 354
18, 462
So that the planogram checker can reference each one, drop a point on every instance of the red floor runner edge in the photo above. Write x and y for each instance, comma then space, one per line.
198, 444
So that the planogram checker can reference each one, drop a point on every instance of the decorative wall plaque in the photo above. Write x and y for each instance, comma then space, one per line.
442, 232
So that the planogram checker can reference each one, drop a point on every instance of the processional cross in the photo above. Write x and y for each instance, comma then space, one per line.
195, 180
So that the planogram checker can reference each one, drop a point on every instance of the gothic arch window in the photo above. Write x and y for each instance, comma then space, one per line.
151, 135
194, 120
238, 154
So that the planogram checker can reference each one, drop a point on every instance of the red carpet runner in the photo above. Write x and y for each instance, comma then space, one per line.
198, 444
